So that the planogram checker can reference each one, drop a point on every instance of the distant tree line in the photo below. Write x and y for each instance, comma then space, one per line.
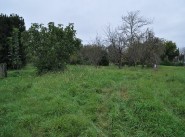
51, 48
132, 43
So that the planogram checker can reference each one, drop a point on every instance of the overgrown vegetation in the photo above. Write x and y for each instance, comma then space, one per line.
85, 101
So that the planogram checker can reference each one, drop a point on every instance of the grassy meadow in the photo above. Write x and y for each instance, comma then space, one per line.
86, 101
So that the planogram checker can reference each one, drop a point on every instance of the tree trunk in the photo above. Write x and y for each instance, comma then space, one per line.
3, 70
119, 64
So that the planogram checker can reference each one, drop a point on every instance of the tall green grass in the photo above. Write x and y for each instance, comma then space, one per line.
94, 102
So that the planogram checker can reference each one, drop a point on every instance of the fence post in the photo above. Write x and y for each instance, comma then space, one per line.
3, 70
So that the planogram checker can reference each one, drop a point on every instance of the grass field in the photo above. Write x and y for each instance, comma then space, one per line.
89, 102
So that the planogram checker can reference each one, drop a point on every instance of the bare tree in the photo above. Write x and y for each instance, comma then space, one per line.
134, 53
132, 27
117, 45
133, 42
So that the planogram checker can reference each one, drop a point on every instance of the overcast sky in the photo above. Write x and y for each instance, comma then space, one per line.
92, 16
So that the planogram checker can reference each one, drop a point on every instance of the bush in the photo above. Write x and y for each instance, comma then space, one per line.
168, 63
178, 64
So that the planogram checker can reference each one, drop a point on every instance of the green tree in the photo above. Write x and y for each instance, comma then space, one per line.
171, 51
52, 46
133, 26
7, 25
14, 56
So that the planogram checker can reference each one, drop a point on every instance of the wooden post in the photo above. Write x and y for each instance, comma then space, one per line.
3, 70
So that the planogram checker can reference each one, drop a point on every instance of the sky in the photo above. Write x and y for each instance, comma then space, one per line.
90, 17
